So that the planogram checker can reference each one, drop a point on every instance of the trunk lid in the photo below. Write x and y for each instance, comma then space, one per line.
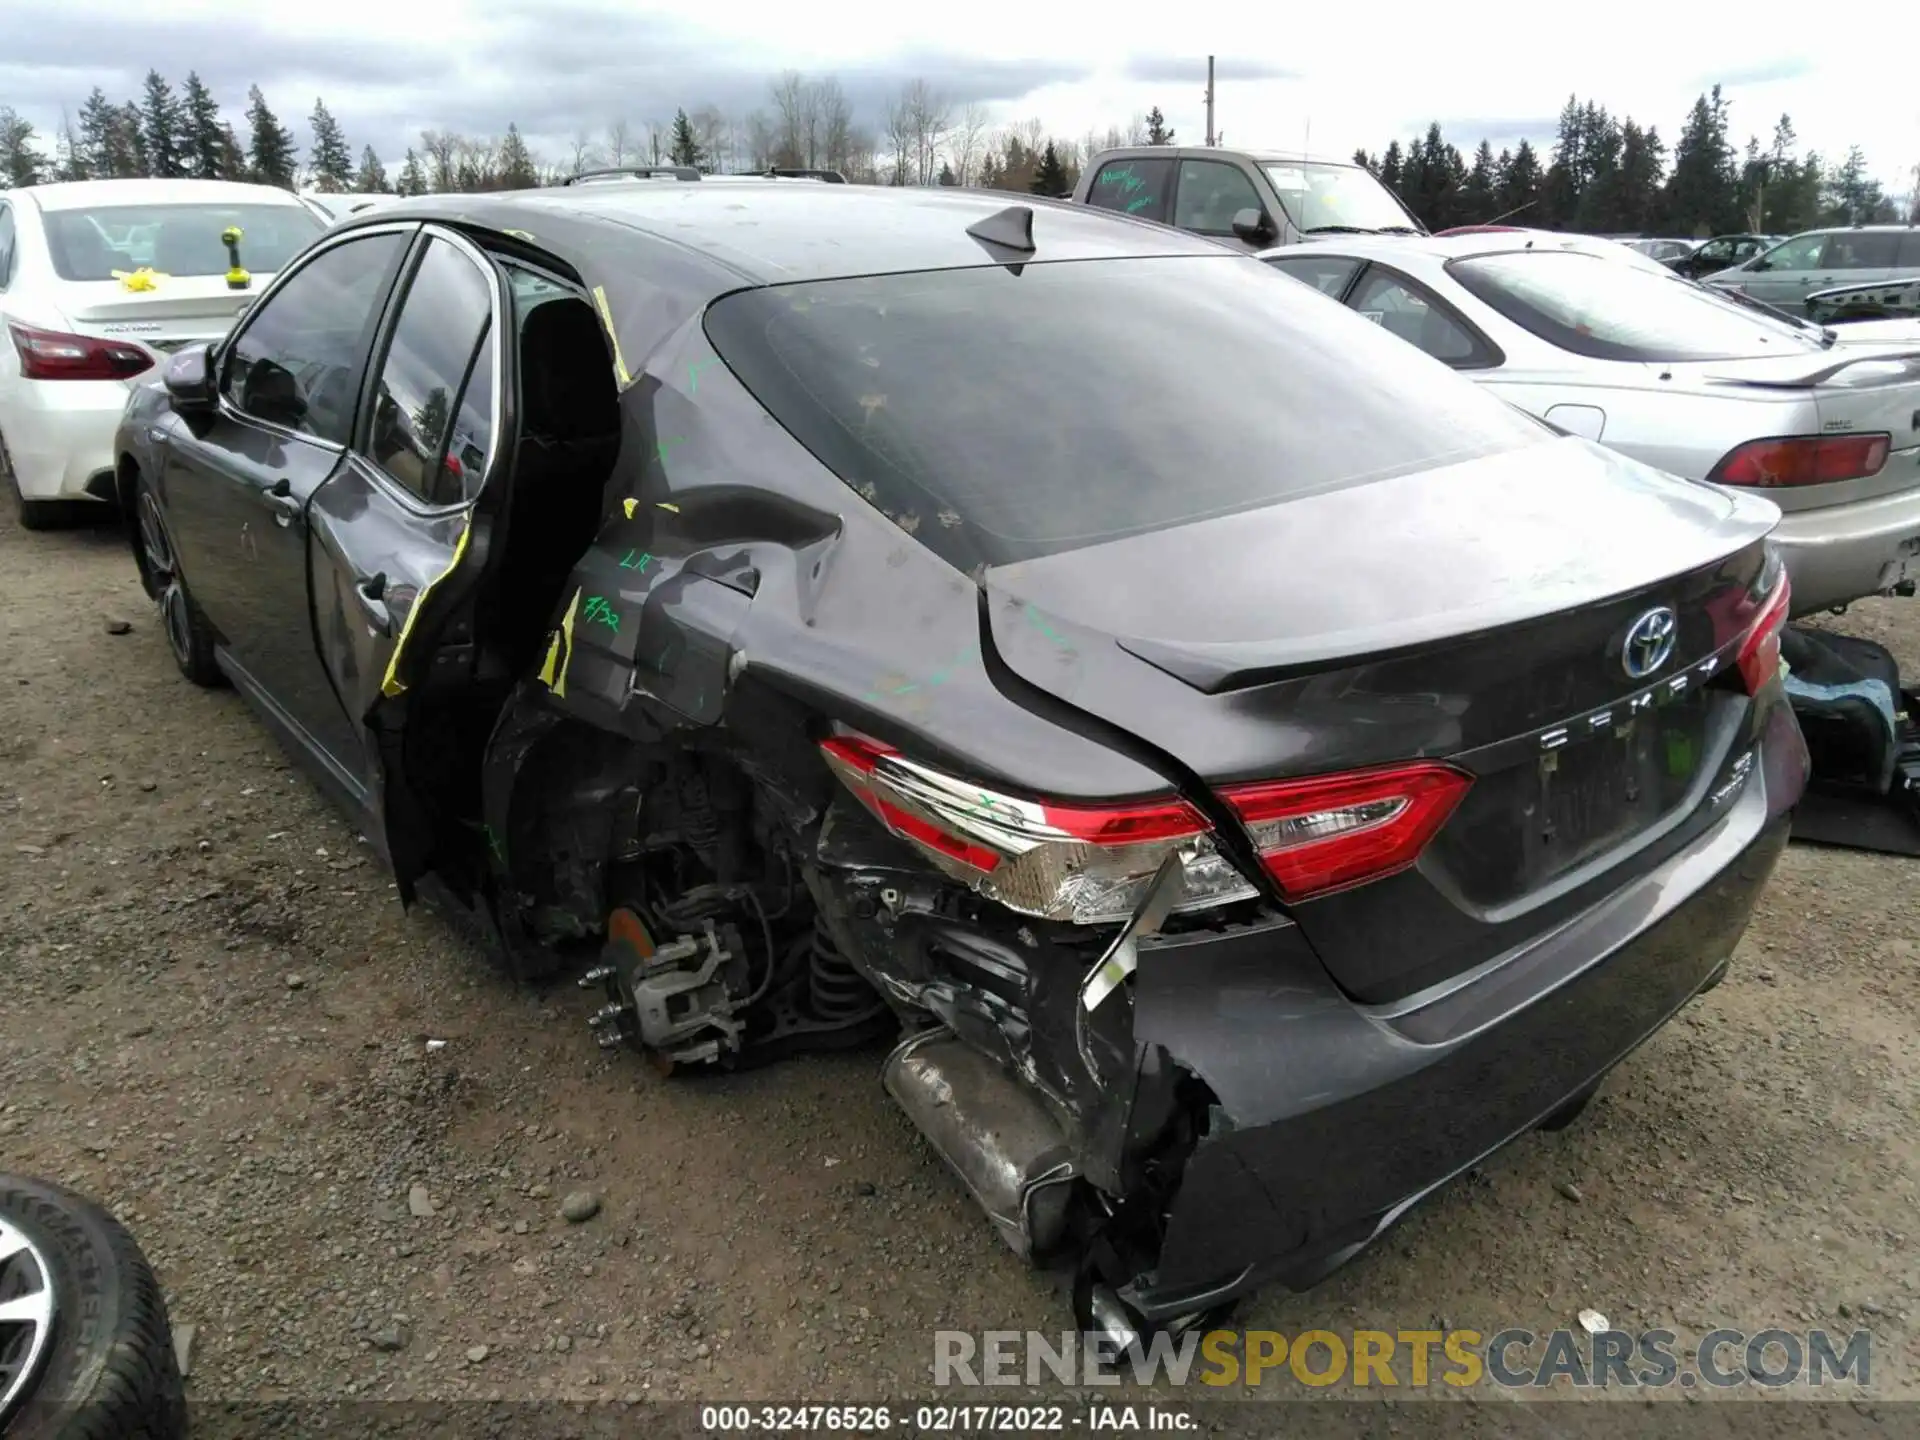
180, 311
1464, 614
1857, 388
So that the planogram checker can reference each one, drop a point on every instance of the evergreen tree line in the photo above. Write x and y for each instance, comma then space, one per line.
808, 122
1604, 175
1608, 176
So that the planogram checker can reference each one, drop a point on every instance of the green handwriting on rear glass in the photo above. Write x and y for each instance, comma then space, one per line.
635, 561
596, 608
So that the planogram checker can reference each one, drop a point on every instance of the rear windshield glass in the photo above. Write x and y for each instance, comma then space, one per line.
1596, 306
179, 240
1001, 417
1335, 197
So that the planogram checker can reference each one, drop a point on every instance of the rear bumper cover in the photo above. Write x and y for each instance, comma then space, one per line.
1339, 1117
59, 436
1840, 553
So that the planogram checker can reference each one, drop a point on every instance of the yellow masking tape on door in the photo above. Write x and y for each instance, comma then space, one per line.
391, 684
553, 674
620, 372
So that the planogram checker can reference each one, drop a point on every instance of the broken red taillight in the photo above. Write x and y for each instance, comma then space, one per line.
1331, 832
1082, 863
1760, 651
1803, 460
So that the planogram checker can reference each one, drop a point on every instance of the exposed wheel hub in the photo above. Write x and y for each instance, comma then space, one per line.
26, 1314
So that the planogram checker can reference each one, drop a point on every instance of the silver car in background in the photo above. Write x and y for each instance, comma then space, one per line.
1705, 385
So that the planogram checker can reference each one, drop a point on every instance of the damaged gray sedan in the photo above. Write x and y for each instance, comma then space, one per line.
1175, 715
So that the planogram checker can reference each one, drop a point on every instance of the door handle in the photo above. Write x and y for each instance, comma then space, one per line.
282, 501
371, 591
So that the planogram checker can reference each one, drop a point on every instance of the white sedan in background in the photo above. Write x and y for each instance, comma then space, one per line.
1674, 374
98, 278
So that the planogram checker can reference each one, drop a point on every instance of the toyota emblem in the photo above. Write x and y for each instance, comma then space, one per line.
1649, 643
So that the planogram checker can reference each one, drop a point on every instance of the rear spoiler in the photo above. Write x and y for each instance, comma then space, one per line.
1824, 374
1888, 300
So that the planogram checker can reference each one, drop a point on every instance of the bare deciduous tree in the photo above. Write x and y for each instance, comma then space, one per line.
929, 118
713, 133
441, 147
621, 148
969, 139
897, 127
760, 141
583, 152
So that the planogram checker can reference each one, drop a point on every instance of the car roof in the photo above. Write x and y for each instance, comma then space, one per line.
756, 230
1189, 152
100, 194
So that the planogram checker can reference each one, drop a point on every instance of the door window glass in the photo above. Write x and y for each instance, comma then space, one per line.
299, 359
1328, 274
1861, 250
1211, 194
6, 246
1133, 187
1395, 304
432, 423
1800, 253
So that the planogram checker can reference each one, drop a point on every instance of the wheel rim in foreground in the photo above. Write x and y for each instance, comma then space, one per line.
26, 1314
166, 577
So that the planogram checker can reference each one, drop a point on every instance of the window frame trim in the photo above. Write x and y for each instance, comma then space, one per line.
416, 504
221, 352
1338, 296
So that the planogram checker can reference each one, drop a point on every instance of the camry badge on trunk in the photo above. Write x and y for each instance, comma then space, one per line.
1649, 643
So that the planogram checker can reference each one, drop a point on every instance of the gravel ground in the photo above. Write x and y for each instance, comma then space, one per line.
218, 1021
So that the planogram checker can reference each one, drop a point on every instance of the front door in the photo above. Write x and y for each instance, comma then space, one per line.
392, 522
238, 484
1790, 269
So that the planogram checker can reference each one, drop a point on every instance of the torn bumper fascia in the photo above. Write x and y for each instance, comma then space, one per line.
1011, 988
1333, 1119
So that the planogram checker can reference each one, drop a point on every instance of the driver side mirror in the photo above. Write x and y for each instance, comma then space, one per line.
189, 378
1759, 262
1253, 226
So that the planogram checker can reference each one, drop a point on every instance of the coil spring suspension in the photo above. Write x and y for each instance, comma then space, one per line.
835, 990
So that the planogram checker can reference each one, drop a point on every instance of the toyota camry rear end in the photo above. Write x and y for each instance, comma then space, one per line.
1280, 773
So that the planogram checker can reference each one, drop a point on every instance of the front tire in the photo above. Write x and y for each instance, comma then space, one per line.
189, 635
85, 1352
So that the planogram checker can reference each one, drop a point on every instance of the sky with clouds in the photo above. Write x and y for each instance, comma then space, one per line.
1320, 77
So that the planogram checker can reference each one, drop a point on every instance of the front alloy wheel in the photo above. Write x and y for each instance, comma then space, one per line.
163, 579
188, 634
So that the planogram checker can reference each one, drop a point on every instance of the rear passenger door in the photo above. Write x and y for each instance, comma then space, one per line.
1857, 257
394, 521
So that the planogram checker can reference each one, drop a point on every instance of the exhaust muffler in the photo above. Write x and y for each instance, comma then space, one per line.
994, 1132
